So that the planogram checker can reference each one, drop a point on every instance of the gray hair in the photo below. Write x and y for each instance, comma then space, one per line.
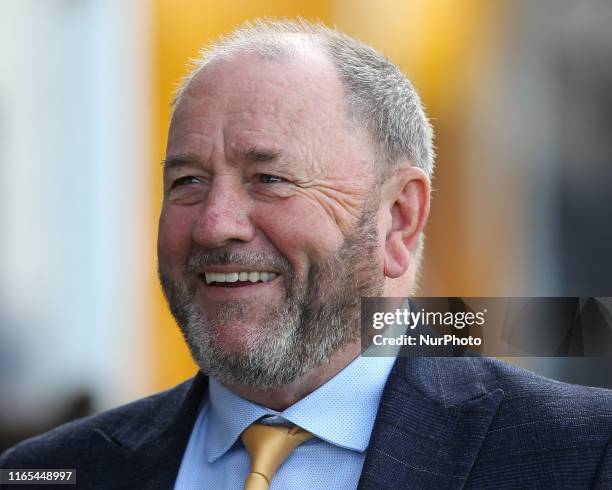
379, 97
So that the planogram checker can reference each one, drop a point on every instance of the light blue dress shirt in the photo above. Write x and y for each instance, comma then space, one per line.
339, 413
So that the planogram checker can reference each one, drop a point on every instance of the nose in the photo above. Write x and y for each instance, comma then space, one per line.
225, 215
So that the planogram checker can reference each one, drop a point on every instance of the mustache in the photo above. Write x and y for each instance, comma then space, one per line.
242, 258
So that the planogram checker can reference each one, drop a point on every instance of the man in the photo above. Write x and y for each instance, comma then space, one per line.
296, 181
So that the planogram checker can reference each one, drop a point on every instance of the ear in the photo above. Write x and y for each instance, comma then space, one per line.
406, 201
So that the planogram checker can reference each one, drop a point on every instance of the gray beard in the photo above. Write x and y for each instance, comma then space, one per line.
316, 319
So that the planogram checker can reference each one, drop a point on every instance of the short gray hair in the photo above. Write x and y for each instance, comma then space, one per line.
379, 96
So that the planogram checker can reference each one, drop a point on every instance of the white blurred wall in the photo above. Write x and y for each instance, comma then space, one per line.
75, 238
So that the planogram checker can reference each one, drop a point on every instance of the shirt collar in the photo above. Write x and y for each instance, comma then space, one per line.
341, 412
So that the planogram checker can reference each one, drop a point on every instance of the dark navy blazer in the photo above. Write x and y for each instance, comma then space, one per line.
442, 423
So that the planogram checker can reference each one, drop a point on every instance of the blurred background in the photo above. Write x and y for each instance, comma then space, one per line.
520, 94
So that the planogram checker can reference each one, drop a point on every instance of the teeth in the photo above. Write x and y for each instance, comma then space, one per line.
253, 276
239, 276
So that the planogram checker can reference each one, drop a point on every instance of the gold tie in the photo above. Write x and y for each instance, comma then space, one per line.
268, 446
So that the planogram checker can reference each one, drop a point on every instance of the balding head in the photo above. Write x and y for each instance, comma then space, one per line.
379, 97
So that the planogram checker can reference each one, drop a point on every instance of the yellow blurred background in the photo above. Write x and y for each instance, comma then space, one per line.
519, 96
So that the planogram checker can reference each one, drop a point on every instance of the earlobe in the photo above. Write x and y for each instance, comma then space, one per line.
397, 257
408, 211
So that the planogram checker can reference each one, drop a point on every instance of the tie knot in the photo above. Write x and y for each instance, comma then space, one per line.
268, 446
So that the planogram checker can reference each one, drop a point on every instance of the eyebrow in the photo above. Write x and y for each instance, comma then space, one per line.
181, 160
249, 154
258, 154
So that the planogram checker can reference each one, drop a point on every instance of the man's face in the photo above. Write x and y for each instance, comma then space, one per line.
268, 234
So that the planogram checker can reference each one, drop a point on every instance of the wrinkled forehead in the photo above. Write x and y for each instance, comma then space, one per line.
302, 86
294, 106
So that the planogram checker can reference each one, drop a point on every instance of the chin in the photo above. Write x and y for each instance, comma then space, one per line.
233, 336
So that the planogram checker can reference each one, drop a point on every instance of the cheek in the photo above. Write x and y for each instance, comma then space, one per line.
174, 240
302, 234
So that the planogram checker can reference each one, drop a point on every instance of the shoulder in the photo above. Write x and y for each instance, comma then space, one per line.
530, 401
451, 381
542, 433
530, 398
547, 424
70, 442
531, 411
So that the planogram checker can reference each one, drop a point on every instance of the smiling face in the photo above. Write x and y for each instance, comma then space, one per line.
268, 234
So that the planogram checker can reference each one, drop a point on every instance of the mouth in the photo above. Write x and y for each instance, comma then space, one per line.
237, 279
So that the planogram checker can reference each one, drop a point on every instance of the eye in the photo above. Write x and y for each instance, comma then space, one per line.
183, 181
269, 179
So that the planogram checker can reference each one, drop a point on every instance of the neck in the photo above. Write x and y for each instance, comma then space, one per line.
281, 398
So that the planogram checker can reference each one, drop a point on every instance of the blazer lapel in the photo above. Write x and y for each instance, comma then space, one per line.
146, 451
432, 420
